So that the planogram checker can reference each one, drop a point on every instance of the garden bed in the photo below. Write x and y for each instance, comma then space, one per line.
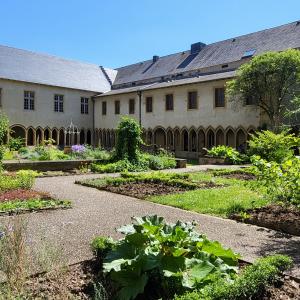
145, 185
77, 282
277, 217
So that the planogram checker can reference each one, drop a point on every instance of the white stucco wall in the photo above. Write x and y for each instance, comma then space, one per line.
12, 98
205, 115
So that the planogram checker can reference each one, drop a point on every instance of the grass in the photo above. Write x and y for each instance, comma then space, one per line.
236, 196
32, 204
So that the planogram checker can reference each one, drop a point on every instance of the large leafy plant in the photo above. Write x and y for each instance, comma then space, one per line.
157, 255
226, 152
273, 147
282, 181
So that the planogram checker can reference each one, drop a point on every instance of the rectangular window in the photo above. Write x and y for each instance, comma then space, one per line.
104, 108
192, 100
169, 102
28, 100
117, 107
250, 100
131, 106
59, 103
149, 104
219, 97
84, 105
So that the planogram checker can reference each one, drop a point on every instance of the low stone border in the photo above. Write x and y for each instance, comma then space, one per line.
209, 160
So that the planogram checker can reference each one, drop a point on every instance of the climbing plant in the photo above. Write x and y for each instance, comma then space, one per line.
128, 139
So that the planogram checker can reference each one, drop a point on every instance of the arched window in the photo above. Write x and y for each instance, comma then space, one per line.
55, 136
230, 138
89, 137
61, 137
39, 136
82, 137
220, 137
170, 141
193, 141
210, 139
46, 134
160, 137
201, 140
30, 137
185, 140
177, 139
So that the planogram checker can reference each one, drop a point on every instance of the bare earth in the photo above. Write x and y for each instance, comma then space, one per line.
97, 212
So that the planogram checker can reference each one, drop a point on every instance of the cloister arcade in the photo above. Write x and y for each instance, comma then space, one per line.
173, 139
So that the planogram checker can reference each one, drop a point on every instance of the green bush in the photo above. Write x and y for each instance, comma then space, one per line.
248, 285
164, 255
128, 140
24, 179
228, 153
15, 144
282, 181
4, 127
160, 162
273, 147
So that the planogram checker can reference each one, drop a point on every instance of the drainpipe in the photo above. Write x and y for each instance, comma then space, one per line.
139, 92
93, 105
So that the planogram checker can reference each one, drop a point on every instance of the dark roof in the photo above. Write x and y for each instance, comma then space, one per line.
223, 52
158, 85
22, 65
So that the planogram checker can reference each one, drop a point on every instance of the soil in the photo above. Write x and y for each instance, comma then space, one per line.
277, 217
240, 176
143, 190
22, 195
77, 282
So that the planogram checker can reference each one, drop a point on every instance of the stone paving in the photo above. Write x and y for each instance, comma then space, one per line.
97, 212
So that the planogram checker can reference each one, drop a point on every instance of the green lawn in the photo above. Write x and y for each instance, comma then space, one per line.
235, 196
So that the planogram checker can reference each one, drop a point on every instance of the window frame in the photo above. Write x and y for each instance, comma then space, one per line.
215, 98
104, 108
188, 100
117, 107
30, 103
59, 103
131, 110
84, 105
146, 104
169, 107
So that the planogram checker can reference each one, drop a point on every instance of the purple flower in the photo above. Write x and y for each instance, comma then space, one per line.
78, 148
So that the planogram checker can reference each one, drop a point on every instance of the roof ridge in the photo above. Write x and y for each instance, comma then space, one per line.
106, 75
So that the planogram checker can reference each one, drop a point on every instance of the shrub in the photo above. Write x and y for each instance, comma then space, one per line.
273, 147
248, 285
4, 127
101, 245
14, 144
228, 153
24, 179
163, 255
128, 139
282, 181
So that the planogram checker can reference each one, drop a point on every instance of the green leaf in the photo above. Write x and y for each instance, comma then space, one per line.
131, 284
171, 265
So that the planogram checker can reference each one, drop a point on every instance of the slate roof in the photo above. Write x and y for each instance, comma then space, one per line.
223, 52
157, 85
22, 65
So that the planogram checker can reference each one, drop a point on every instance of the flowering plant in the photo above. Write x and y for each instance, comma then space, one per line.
78, 148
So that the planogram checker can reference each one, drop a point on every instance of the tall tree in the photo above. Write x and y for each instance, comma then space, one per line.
271, 81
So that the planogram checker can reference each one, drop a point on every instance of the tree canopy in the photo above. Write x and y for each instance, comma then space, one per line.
271, 81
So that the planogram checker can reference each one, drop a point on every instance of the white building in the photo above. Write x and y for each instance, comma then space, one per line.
178, 99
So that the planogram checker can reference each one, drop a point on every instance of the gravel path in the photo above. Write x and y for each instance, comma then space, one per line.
97, 212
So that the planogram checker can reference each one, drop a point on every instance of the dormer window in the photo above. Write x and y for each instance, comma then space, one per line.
249, 53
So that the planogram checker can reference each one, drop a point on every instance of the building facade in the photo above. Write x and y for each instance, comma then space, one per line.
179, 99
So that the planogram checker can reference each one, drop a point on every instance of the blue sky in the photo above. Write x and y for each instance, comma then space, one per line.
115, 33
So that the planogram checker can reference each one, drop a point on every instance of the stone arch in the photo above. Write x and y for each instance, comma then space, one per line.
149, 136
177, 139
241, 139
230, 137
18, 131
39, 135
220, 137
55, 136
113, 138
192, 140
61, 137
75, 139
82, 137
96, 142
170, 139
108, 139
47, 133
30, 137
201, 139
184, 139
160, 137
210, 138
89, 137
250, 130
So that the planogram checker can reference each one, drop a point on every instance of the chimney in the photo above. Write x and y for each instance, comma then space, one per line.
155, 58
197, 47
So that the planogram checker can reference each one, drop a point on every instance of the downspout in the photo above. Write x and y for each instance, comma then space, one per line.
93, 101
139, 92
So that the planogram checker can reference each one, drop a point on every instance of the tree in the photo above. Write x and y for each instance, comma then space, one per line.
271, 81
128, 139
